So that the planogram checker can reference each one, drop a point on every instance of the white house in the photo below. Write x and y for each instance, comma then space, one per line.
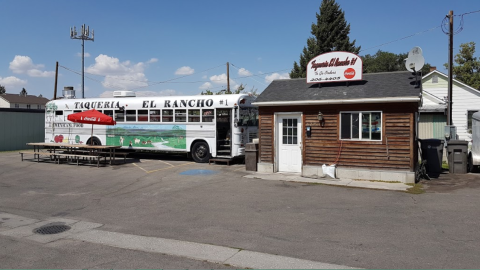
22, 101
433, 113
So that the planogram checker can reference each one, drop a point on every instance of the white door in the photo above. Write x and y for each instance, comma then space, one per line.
289, 142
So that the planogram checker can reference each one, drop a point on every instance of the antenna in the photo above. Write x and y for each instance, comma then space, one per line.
415, 60
84, 35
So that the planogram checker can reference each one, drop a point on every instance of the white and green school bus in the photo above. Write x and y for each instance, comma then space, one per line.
204, 126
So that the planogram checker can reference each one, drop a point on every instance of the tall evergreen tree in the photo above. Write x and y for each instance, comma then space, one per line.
330, 33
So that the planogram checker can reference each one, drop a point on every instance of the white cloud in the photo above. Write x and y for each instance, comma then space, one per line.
39, 73
185, 71
221, 79
244, 72
85, 54
118, 75
276, 76
167, 92
205, 86
24, 65
153, 60
12, 82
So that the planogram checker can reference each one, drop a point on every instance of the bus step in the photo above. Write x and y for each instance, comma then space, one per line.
217, 159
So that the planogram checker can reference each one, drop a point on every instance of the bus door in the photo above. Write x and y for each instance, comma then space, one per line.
224, 132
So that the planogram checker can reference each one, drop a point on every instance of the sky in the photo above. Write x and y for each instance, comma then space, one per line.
159, 47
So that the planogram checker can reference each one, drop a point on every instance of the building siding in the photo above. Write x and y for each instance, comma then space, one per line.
395, 151
19, 128
464, 98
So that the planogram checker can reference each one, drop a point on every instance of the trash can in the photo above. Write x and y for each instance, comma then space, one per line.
457, 156
432, 152
251, 156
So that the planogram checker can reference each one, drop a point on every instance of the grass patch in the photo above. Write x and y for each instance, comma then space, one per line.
445, 165
415, 189
379, 181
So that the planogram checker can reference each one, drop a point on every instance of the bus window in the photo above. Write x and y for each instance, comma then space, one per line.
108, 112
119, 116
193, 115
167, 115
59, 116
180, 115
208, 115
154, 115
142, 115
131, 115
248, 117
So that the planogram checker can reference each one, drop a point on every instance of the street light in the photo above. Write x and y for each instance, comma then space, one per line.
84, 35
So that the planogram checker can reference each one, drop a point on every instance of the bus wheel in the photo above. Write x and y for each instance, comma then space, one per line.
200, 152
94, 141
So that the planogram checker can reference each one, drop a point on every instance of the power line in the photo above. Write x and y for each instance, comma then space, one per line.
247, 76
409, 36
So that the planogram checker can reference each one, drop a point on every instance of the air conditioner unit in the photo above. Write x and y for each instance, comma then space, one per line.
124, 94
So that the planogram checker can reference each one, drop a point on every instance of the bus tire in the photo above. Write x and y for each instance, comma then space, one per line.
94, 141
201, 152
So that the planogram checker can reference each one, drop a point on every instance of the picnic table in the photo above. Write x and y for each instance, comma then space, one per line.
72, 151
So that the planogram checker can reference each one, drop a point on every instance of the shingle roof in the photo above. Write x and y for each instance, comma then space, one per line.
29, 99
373, 86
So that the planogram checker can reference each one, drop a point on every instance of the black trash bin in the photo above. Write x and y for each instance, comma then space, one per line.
432, 152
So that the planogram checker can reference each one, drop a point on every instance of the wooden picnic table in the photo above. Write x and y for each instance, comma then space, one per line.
97, 151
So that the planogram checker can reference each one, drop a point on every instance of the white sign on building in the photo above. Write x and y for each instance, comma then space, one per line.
335, 67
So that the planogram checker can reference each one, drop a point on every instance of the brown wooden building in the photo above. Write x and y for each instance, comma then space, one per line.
366, 128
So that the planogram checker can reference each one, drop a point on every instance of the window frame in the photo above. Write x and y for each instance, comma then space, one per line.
470, 120
360, 129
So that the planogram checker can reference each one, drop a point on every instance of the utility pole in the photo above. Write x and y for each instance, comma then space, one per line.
228, 79
56, 80
84, 35
450, 68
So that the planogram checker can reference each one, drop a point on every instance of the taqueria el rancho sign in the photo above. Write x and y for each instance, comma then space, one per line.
335, 67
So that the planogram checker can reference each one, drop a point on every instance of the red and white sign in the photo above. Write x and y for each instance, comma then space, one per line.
335, 67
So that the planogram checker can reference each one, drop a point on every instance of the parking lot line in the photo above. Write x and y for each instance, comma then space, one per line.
171, 166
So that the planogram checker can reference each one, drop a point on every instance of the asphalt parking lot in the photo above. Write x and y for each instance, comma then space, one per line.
170, 197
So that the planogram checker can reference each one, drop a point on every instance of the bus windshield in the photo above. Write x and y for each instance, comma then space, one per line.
248, 116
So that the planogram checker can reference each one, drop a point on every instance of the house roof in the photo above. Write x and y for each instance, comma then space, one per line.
374, 88
446, 76
29, 99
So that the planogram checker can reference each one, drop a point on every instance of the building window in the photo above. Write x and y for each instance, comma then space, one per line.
17, 106
28, 106
361, 126
289, 131
435, 79
469, 121
39, 106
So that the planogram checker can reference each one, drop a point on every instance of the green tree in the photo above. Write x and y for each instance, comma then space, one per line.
240, 90
330, 33
387, 62
468, 66
2, 90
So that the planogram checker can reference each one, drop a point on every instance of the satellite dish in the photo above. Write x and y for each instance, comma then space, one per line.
415, 60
